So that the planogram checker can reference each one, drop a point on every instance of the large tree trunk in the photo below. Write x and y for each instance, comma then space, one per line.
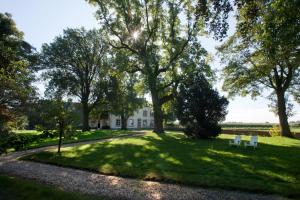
158, 114
283, 118
85, 117
157, 110
123, 122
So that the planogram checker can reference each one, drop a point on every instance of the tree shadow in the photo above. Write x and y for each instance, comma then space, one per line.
174, 158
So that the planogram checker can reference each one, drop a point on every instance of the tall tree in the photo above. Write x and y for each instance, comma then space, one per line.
199, 107
156, 33
17, 59
75, 64
124, 98
264, 53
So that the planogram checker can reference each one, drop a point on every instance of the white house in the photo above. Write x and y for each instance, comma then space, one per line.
142, 118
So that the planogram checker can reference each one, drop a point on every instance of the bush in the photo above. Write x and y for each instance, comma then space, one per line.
47, 134
4, 141
275, 131
69, 131
106, 127
198, 132
17, 141
199, 108
21, 141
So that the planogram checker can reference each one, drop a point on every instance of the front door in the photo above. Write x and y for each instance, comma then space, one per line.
139, 123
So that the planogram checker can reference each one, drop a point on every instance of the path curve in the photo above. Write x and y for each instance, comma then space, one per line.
74, 180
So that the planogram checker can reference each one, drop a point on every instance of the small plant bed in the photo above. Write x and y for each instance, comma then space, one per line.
271, 168
12, 188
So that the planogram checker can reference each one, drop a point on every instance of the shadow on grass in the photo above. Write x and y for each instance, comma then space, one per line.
174, 158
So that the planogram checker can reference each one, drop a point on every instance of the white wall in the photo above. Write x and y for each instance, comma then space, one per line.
145, 120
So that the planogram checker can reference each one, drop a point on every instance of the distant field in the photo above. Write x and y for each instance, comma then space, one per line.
261, 127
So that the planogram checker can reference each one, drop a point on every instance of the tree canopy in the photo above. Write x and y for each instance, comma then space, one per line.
124, 99
156, 34
264, 53
75, 64
199, 107
17, 61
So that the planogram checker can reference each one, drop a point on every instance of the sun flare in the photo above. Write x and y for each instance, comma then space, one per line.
135, 35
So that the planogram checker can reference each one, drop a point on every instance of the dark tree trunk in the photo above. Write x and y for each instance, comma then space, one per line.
157, 110
61, 132
158, 114
283, 118
85, 117
123, 122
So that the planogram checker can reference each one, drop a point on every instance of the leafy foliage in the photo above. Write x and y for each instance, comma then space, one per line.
156, 36
16, 141
274, 131
38, 109
199, 107
264, 53
61, 116
75, 65
123, 98
17, 59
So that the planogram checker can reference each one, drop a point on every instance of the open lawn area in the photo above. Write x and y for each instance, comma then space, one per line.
78, 136
171, 157
12, 188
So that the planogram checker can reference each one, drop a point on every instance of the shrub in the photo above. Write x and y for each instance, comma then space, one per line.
47, 134
69, 131
106, 127
275, 131
17, 141
4, 141
21, 141
199, 108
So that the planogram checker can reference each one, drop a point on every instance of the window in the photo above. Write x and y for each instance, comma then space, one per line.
139, 125
131, 122
144, 123
145, 113
118, 122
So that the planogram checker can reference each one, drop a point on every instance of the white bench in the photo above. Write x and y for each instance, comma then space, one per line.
236, 142
253, 142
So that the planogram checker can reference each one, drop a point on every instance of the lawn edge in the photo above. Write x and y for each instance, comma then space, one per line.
161, 180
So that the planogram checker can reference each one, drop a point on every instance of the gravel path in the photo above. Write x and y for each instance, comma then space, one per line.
113, 187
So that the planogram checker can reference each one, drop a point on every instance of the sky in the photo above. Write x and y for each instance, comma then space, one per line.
43, 20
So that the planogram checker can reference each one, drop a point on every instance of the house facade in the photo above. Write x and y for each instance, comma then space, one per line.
142, 118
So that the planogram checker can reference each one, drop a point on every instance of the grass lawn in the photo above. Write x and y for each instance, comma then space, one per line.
76, 137
272, 168
12, 188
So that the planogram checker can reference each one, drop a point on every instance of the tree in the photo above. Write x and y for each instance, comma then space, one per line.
124, 99
199, 108
38, 109
17, 59
155, 34
75, 64
169, 113
59, 116
264, 53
